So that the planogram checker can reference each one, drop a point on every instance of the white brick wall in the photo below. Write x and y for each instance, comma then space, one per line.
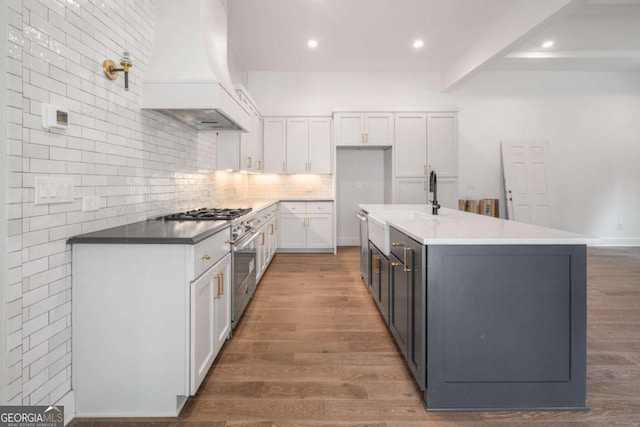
139, 163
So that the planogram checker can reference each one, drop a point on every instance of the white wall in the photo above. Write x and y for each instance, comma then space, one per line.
360, 179
591, 120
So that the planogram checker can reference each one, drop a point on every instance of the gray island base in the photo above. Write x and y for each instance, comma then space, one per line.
490, 315
506, 327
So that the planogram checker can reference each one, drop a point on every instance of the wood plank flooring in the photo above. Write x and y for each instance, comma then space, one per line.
312, 350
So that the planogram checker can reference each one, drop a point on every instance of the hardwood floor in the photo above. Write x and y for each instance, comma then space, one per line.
312, 350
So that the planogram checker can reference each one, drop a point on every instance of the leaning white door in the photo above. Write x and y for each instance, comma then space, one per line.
526, 182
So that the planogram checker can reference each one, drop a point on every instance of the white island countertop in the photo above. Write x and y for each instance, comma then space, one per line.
454, 227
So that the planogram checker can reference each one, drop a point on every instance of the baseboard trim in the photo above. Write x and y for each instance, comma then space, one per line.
617, 241
69, 403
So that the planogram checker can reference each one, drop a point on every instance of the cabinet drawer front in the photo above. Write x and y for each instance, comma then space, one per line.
319, 207
400, 242
293, 207
209, 251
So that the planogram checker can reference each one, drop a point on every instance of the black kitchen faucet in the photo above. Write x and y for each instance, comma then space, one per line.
433, 187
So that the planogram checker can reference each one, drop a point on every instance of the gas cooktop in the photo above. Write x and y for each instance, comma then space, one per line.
210, 214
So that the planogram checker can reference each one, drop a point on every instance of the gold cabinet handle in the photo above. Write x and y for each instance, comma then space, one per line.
248, 162
259, 162
218, 282
404, 259
396, 244
308, 222
366, 138
270, 228
262, 237
395, 264
362, 137
221, 283
375, 259
206, 256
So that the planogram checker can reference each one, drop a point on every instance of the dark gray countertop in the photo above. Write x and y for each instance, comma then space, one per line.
173, 232
154, 232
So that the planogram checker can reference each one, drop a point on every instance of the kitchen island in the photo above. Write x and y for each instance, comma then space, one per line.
489, 314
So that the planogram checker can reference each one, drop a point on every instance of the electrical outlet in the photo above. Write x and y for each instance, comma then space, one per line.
53, 190
91, 203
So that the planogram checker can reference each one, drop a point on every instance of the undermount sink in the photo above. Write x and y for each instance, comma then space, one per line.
379, 227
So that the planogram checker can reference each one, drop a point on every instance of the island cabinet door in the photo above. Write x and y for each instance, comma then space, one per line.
416, 348
399, 315
385, 287
374, 274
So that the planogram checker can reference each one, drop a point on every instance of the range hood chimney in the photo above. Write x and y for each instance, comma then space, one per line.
187, 77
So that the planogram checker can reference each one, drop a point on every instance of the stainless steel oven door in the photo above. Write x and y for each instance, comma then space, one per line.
244, 274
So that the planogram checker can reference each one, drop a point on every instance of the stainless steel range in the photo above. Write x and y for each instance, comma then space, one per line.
244, 232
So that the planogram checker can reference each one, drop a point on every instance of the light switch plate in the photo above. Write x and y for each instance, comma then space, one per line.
54, 190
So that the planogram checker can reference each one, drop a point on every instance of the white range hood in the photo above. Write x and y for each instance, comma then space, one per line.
187, 77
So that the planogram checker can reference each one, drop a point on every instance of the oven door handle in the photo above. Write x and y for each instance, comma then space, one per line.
245, 241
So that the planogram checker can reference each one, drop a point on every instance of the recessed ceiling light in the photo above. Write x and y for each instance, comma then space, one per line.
418, 44
548, 43
312, 43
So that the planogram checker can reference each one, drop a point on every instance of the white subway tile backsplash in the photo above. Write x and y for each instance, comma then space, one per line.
34, 296
44, 82
43, 335
47, 360
48, 138
140, 162
32, 267
47, 166
47, 277
35, 324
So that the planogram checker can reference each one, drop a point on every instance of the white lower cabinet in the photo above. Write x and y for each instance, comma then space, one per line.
306, 226
267, 240
149, 320
210, 318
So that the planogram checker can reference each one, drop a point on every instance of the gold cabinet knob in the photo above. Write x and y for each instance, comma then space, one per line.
206, 256
395, 264
396, 244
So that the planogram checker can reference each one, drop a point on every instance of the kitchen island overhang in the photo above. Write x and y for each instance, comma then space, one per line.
501, 326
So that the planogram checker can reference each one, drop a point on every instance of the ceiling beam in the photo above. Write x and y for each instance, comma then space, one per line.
502, 35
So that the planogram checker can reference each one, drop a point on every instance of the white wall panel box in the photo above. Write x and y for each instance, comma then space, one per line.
54, 117
53, 190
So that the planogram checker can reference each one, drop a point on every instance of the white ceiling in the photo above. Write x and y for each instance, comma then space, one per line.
461, 36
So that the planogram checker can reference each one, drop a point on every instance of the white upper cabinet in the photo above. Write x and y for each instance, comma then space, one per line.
319, 145
369, 129
349, 128
275, 143
410, 151
250, 147
242, 150
297, 145
426, 142
443, 143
